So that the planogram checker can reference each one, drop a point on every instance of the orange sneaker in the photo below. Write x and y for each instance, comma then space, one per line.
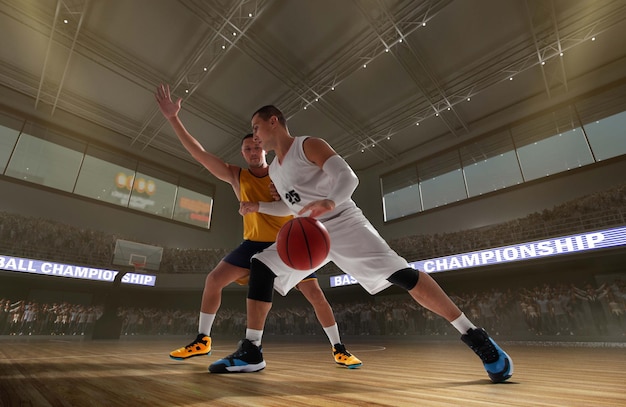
199, 347
345, 358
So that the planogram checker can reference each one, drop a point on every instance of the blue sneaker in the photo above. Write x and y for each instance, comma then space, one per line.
498, 364
247, 358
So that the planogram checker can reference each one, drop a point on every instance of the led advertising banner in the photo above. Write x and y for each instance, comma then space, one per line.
67, 270
582, 242
193, 208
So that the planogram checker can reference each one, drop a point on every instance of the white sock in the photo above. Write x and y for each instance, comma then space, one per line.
333, 334
462, 324
254, 336
205, 323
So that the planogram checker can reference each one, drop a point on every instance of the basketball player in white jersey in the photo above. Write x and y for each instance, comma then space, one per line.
260, 231
313, 180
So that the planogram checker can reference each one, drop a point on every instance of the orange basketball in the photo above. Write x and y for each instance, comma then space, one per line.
303, 243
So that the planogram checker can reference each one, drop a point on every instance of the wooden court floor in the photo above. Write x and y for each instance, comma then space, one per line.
70, 371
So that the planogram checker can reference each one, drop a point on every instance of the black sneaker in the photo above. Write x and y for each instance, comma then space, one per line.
498, 364
247, 358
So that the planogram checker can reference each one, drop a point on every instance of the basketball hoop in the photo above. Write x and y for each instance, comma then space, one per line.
137, 255
138, 261
138, 264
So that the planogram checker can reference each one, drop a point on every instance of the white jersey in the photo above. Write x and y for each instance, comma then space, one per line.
355, 246
299, 181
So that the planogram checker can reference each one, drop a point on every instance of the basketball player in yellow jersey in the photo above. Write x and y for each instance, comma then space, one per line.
259, 232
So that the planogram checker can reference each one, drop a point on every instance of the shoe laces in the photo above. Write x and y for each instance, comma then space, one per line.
238, 353
339, 348
486, 351
197, 341
240, 350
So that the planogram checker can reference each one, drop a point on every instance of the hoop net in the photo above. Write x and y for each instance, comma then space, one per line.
138, 265
137, 261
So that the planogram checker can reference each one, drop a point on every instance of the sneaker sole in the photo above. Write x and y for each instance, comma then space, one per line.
350, 366
191, 356
237, 369
354, 366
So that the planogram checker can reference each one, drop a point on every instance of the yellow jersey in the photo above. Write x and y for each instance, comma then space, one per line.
258, 227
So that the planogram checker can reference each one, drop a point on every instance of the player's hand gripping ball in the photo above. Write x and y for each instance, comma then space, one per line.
303, 243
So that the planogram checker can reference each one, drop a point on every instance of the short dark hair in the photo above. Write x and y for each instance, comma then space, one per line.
247, 136
268, 111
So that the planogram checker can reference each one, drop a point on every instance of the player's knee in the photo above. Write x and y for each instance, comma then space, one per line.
219, 278
312, 292
212, 278
406, 278
261, 284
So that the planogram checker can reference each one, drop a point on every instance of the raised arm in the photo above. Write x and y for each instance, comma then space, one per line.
219, 168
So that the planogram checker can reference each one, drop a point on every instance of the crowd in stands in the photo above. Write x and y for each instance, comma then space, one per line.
23, 317
595, 211
44, 239
39, 238
550, 309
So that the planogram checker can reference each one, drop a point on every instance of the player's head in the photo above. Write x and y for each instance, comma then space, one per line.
266, 112
246, 137
252, 152
267, 122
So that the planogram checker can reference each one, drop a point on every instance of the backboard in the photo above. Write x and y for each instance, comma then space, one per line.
137, 255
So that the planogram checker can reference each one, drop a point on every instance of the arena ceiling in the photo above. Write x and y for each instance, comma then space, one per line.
378, 79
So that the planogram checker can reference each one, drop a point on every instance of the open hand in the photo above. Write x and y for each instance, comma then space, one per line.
318, 208
168, 108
